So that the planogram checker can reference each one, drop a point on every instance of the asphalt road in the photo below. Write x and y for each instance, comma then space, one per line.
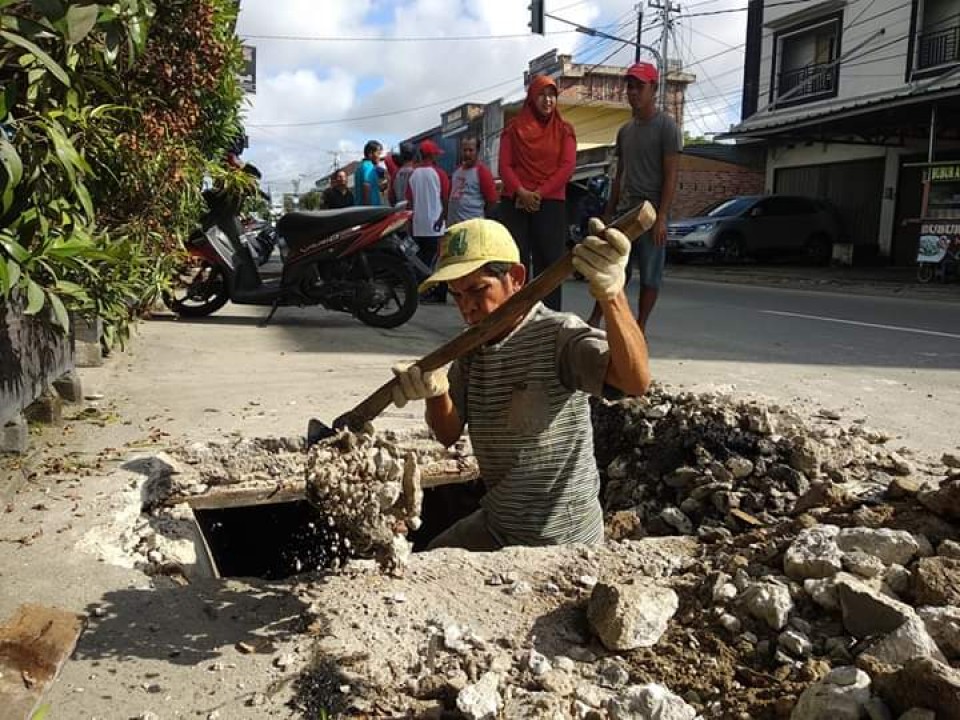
893, 361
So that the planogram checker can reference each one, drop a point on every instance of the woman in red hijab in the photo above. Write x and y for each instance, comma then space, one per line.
538, 153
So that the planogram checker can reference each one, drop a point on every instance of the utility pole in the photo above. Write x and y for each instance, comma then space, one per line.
666, 7
636, 49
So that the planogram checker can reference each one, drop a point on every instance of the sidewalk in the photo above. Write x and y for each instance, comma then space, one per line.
881, 281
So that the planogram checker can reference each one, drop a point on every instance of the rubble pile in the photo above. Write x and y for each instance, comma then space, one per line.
711, 466
369, 489
825, 583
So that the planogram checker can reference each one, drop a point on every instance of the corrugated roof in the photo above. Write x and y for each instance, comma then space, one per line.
747, 156
764, 123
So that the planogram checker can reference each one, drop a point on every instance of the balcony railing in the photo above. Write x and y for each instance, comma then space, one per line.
941, 47
807, 82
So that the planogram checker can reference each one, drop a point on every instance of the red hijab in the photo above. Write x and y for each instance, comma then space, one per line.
537, 142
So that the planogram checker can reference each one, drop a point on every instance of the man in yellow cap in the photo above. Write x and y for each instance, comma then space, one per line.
523, 397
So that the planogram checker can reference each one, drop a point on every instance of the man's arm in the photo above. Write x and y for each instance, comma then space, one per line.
629, 369
443, 419
671, 169
488, 189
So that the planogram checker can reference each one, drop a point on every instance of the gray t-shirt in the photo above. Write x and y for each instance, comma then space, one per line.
641, 146
524, 401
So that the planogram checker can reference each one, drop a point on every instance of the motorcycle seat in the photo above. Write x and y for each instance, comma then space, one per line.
301, 227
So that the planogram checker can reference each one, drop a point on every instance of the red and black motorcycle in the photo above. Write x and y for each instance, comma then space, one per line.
351, 260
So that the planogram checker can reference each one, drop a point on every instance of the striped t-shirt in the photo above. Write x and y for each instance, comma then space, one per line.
524, 403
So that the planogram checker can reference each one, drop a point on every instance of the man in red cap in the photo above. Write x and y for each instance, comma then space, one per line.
648, 158
428, 190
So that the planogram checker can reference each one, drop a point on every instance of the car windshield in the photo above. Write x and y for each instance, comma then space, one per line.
733, 206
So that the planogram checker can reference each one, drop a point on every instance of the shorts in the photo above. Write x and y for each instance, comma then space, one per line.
649, 260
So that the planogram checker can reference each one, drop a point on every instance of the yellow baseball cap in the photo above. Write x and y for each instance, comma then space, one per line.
468, 246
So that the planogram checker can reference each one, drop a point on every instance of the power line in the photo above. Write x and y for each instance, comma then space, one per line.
388, 39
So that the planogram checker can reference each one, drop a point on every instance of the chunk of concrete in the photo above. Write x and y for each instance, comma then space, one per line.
889, 546
868, 612
840, 695
626, 617
814, 553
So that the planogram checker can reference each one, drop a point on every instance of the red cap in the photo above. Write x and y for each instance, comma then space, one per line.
644, 72
429, 147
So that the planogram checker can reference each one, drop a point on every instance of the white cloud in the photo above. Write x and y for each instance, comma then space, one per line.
323, 81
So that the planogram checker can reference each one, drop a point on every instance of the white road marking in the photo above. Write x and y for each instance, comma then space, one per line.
895, 328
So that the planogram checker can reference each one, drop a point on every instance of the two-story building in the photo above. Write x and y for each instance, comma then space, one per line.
850, 97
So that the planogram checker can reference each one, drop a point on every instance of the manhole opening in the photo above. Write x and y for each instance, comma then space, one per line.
272, 542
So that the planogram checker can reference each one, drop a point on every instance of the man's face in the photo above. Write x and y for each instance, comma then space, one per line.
478, 294
468, 151
340, 179
641, 95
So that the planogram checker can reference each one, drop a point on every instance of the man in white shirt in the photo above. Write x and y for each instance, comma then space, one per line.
427, 192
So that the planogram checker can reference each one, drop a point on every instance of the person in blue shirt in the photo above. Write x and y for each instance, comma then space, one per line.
366, 181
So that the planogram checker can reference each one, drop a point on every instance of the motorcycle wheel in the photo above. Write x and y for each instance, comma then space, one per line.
198, 291
925, 272
394, 298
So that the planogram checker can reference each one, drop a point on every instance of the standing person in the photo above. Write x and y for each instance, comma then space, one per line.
366, 181
398, 190
648, 160
427, 192
473, 193
338, 195
523, 396
538, 153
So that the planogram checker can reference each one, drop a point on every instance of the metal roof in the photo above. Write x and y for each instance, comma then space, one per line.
764, 123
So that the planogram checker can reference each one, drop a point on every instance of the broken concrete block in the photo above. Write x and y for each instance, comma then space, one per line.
47, 408
867, 611
15, 435
840, 695
890, 546
626, 617
69, 387
814, 553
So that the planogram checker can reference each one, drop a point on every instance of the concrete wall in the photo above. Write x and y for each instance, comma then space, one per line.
879, 66
32, 356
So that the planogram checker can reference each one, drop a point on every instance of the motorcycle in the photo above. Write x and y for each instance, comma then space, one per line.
350, 260
938, 256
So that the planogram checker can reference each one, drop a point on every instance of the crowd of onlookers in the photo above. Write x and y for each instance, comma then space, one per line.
536, 162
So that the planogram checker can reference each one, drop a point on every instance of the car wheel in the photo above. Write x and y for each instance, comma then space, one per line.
819, 249
730, 249
925, 272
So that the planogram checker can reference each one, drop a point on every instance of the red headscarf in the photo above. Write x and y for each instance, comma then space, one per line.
537, 142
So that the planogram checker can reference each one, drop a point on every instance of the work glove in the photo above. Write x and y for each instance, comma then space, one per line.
602, 259
414, 384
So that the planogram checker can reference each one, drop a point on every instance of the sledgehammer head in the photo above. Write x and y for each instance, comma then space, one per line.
636, 221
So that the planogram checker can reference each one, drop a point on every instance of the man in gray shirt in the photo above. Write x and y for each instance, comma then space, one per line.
648, 159
473, 193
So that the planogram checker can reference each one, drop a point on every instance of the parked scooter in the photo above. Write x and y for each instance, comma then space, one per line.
938, 257
350, 260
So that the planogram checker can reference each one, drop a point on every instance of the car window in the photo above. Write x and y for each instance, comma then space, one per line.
731, 207
780, 207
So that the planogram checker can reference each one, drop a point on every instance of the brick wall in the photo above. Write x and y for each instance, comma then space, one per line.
703, 181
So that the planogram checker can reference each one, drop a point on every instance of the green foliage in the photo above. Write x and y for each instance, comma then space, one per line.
111, 113
312, 200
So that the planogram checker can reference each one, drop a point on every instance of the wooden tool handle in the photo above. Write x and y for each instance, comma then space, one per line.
633, 224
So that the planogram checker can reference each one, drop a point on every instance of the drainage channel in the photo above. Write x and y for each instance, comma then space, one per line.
278, 540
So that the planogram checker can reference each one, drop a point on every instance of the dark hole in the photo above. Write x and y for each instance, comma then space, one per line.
442, 507
269, 541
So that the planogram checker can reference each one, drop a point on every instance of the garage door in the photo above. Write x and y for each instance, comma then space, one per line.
855, 188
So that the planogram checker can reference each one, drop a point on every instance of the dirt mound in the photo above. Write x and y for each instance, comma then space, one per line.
812, 548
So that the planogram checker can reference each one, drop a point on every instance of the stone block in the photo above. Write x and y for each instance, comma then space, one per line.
47, 408
69, 388
15, 436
